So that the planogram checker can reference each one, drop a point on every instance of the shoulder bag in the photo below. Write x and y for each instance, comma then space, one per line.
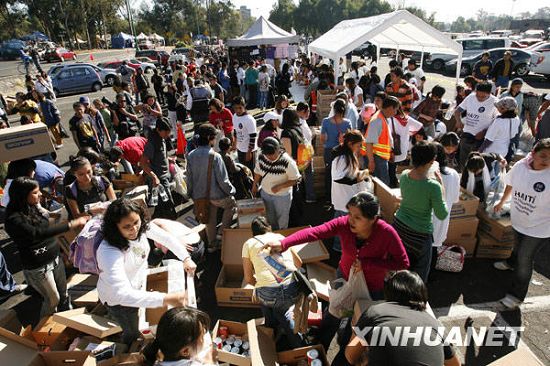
202, 205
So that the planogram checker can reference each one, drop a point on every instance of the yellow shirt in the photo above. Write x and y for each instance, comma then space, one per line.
252, 249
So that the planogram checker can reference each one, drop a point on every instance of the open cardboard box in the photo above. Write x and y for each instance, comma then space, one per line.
18, 351
83, 289
95, 325
466, 206
388, 198
235, 328
263, 349
309, 253
229, 287
248, 210
320, 275
26, 141
462, 228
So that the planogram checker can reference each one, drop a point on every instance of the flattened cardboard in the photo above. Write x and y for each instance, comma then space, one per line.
462, 228
388, 198
468, 244
95, 325
320, 275
466, 206
26, 141
235, 328
499, 229
309, 253
521, 356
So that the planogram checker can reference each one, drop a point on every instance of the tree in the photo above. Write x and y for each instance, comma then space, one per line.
282, 14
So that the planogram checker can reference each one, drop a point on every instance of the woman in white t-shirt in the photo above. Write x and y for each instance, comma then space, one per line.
527, 183
354, 92
451, 183
503, 130
347, 178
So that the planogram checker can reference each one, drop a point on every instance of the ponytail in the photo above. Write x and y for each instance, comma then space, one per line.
150, 353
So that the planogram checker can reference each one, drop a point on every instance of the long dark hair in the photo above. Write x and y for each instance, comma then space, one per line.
19, 191
116, 211
20, 168
350, 138
441, 157
367, 203
290, 119
178, 328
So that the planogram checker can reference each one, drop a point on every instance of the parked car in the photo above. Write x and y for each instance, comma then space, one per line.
59, 54
148, 60
543, 67
9, 50
153, 55
145, 66
470, 46
145, 45
177, 58
116, 64
526, 42
108, 76
76, 79
188, 52
522, 61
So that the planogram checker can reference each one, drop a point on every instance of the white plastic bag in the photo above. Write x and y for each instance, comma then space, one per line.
179, 178
493, 197
342, 299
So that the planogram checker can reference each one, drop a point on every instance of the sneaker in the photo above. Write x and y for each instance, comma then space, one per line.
510, 302
503, 266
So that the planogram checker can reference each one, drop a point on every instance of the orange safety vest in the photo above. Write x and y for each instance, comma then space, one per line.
383, 147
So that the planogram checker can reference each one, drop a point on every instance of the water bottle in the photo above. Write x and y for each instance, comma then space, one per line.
450, 111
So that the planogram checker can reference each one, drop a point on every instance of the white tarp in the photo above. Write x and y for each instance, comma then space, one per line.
399, 29
263, 32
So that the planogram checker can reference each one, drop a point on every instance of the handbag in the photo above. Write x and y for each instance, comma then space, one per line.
202, 205
396, 140
450, 258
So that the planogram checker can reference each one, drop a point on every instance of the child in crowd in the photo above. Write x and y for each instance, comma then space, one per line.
480, 170
450, 142
271, 128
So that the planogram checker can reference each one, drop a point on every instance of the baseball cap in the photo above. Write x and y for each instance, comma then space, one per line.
507, 103
517, 81
84, 100
272, 115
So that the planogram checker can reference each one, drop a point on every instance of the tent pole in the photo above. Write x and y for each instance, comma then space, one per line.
422, 57
458, 67
336, 63
377, 55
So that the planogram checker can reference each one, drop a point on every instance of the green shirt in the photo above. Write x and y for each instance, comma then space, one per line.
251, 76
418, 199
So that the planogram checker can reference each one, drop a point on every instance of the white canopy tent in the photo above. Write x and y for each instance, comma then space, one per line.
141, 36
399, 29
156, 38
263, 32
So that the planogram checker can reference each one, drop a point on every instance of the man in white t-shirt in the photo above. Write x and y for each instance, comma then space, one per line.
527, 184
480, 113
277, 173
244, 127
416, 72
503, 130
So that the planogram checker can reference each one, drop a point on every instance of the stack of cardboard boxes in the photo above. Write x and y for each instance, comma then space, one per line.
324, 100
463, 223
496, 237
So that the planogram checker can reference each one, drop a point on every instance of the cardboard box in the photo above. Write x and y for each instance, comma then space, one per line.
121, 184
167, 279
489, 247
135, 179
388, 198
18, 351
263, 350
499, 229
235, 328
9, 321
25, 141
466, 206
229, 285
320, 275
82, 288
45, 333
309, 253
95, 325
65, 241
469, 245
248, 210
462, 228
521, 356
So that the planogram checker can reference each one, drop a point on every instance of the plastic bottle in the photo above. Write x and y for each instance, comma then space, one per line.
450, 110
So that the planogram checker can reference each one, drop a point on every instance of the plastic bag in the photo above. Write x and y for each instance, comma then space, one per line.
179, 178
493, 197
342, 299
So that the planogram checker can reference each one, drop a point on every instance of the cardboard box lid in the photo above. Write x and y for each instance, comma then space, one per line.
309, 253
503, 223
82, 280
521, 356
266, 354
16, 350
95, 325
320, 275
45, 333
168, 279
69, 358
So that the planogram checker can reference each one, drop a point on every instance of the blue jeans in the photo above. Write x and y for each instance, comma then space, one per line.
308, 183
381, 169
128, 320
50, 282
263, 99
522, 260
7, 283
277, 209
275, 302
502, 81
336, 246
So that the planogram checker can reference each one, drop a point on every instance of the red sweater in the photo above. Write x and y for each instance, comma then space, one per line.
224, 119
382, 252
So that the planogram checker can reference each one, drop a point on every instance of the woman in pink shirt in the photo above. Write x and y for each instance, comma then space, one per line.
368, 243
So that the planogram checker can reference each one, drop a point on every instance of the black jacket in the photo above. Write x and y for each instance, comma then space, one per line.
498, 69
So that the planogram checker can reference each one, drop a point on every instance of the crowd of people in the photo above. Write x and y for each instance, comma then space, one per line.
377, 127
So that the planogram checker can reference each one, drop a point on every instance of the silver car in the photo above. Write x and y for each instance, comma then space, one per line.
108, 76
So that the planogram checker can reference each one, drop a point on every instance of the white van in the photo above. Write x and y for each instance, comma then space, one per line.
470, 46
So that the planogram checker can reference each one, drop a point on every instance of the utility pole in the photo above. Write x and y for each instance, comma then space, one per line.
66, 24
208, 4
131, 23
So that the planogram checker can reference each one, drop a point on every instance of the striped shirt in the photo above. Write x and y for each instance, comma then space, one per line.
403, 92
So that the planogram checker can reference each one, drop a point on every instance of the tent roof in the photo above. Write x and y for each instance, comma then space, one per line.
263, 32
141, 36
398, 29
156, 36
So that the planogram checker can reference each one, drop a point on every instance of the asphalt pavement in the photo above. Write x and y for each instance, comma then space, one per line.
454, 297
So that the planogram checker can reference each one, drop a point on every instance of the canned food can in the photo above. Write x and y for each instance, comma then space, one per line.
246, 346
316, 362
223, 331
238, 343
235, 350
312, 354
246, 353
218, 342
227, 348
230, 340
